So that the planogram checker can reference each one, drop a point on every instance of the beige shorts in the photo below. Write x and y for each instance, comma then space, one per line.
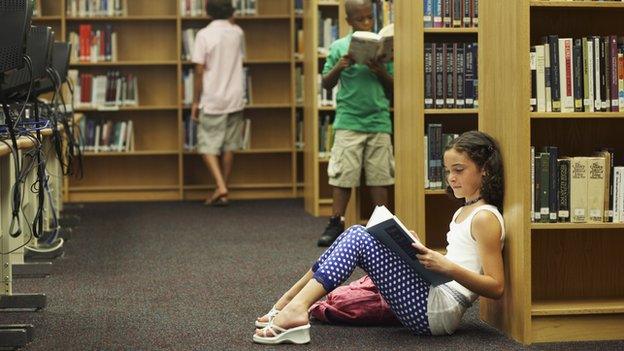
217, 133
351, 150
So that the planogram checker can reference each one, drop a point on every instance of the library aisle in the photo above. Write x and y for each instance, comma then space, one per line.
173, 276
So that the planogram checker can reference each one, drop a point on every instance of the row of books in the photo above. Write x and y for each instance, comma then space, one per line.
188, 42
577, 75
190, 134
100, 135
197, 8
576, 189
93, 44
110, 90
451, 13
328, 33
188, 85
435, 142
451, 75
97, 8
383, 14
326, 97
326, 135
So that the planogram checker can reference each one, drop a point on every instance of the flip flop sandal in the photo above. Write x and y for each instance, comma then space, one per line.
296, 335
272, 313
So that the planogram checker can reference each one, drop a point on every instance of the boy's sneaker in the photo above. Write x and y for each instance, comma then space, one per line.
334, 228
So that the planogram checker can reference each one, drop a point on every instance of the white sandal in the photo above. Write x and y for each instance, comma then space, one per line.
297, 335
272, 313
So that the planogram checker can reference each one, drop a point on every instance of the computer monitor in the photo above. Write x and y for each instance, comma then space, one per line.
39, 49
60, 63
14, 24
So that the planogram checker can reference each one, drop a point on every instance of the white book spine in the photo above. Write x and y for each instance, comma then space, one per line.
590, 75
540, 78
597, 63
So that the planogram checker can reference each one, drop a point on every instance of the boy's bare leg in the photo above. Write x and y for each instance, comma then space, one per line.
227, 160
295, 313
341, 198
379, 195
290, 294
212, 162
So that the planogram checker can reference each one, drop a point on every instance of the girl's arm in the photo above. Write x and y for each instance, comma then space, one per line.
486, 230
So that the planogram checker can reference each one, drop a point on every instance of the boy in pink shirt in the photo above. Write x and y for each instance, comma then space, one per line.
218, 100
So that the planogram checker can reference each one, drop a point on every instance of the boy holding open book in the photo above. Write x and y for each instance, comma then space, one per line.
362, 124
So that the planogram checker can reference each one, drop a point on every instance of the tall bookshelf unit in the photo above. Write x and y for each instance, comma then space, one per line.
318, 192
564, 279
426, 211
149, 42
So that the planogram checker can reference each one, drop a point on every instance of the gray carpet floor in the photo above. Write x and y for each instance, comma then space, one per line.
181, 276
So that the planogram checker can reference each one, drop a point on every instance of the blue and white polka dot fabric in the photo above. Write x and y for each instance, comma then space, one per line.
402, 288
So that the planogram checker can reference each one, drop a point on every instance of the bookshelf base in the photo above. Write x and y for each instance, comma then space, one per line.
577, 328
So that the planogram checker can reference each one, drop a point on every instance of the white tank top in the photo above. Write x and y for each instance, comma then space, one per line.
443, 310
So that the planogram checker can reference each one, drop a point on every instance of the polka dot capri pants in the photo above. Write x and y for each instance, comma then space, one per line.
402, 288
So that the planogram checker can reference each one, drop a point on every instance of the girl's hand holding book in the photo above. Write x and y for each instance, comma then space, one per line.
432, 260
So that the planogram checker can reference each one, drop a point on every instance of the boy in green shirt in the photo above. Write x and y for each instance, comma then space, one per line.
362, 124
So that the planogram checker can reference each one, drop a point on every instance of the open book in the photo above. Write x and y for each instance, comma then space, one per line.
366, 46
389, 230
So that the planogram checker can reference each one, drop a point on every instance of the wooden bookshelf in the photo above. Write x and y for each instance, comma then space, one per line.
149, 42
563, 280
427, 211
317, 191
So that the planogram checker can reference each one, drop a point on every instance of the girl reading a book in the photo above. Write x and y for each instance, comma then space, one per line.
473, 261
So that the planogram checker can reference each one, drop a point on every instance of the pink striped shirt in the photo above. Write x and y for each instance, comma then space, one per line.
219, 47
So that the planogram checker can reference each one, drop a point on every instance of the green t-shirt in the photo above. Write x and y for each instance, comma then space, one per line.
361, 104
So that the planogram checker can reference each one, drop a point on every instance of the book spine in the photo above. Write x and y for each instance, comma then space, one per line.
620, 58
440, 77
544, 187
553, 44
577, 55
449, 53
533, 65
578, 189
532, 183
604, 96
437, 13
547, 90
428, 13
469, 76
566, 75
597, 70
595, 189
617, 195
457, 13
429, 76
540, 85
553, 184
447, 10
613, 55
467, 13
563, 213
538, 188
475, 13
460, 81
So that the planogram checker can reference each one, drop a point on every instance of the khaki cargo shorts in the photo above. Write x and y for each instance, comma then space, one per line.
353, 149
217, 133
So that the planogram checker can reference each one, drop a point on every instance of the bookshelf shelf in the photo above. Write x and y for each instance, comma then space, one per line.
251, 151
122, 19
576, 115
451, 30
241, 18
122, 188
131, 153
577, 307
253, 62
435, 192
451, 111
46, 18
576, 226
577, 4
126, 108
326, 201
124, 63
241, 186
